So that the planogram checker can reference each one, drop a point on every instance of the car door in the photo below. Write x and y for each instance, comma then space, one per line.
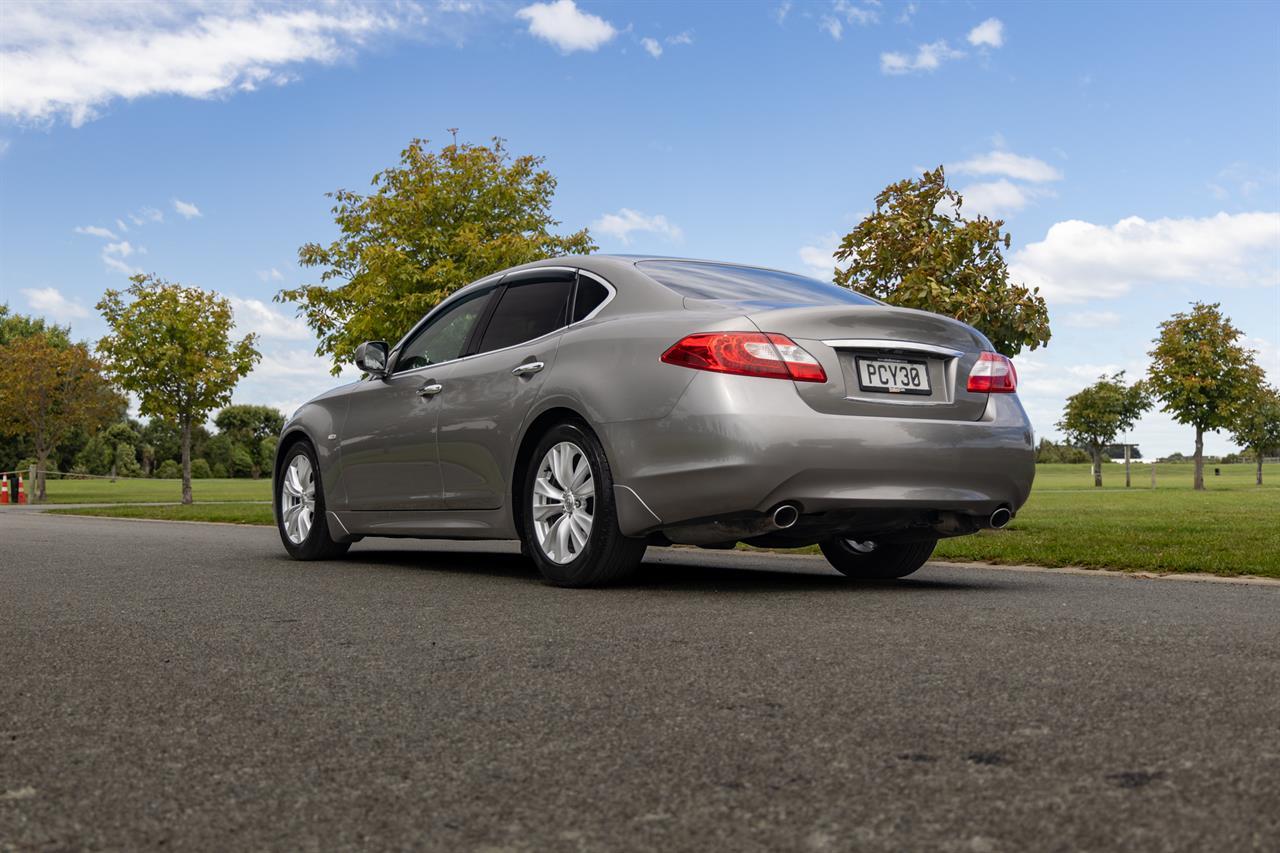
488, 395
388, 446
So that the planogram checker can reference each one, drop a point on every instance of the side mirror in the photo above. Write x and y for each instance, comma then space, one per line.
371, 357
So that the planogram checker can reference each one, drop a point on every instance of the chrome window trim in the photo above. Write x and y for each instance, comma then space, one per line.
613, 291
907, 346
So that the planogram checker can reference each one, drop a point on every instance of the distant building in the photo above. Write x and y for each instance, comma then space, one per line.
1115, 452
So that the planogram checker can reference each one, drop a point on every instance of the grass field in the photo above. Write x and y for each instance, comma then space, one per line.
1233, 528
134, 491
229, 512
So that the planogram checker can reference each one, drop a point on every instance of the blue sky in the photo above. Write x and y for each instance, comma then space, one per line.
1134, 150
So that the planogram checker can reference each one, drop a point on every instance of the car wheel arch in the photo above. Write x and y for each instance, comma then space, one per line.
537, 428
286, 443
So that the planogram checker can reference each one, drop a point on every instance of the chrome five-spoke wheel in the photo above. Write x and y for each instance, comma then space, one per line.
564, 502
298, 499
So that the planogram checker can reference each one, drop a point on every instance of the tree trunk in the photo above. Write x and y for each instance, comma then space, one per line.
1259, 466
186, 460
37, 488
1199, 481
1097, 467
1126, 466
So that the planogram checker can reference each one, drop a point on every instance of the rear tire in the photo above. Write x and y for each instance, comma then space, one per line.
880, 562
576, 544
299, 505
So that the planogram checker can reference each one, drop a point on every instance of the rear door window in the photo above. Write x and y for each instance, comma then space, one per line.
588, 298
527, 310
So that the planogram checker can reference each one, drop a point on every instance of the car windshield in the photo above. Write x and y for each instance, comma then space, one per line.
729, 283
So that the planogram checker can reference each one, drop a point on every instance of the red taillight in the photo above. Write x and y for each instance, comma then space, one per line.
993, 374
746, 354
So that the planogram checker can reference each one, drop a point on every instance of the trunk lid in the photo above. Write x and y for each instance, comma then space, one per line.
879, 359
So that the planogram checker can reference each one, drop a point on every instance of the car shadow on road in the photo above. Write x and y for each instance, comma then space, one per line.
665, 573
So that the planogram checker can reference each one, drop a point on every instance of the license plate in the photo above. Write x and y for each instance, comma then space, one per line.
892, 376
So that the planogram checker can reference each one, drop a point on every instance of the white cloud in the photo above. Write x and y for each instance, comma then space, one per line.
95, 231
990, 33
996, 198
147, 214
1009, 165
625, 222
287, 378
853, 13
1077, 260
68, 61
113, 255
120, 266
1243, 179
652, 45
831, 26
4, 147
186, 209
566, 26
928, 57
817, 257
50, 302
121, 225
685, 37
261, 318
272, 274
1091, 319
908, 12
780, 13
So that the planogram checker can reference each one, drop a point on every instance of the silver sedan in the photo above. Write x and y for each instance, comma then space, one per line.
591, 407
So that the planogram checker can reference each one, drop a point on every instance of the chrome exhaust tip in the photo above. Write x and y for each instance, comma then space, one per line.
785, 516
1000, 518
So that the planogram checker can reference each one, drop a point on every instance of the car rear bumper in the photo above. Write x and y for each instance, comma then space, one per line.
736, 445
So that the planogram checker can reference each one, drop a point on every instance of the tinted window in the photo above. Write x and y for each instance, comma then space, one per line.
443, 338
588, 298
527, 311
728, 283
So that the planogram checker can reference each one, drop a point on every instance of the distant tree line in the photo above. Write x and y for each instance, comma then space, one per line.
61, 406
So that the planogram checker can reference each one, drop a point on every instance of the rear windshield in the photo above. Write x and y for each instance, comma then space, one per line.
729, 283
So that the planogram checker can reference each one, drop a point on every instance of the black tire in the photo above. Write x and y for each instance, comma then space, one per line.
882, 562
317, 545
608, 556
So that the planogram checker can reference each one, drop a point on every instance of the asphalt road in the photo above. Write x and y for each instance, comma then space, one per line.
185, 686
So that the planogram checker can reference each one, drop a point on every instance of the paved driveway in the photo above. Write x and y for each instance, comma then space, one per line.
183, 686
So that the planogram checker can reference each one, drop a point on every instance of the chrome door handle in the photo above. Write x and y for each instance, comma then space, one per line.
528, 368
430, 390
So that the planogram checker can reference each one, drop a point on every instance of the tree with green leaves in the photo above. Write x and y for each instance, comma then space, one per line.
917, 251
1257, 424
1202, 374
14, 448
433, 223
14, 326
1094, 416
171, 345
249, 427
48, 390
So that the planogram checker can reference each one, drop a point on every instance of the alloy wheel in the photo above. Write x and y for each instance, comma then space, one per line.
298, 499
564, 502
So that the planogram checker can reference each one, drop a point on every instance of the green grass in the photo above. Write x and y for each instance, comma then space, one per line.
1231, 529
227, 512
60, 491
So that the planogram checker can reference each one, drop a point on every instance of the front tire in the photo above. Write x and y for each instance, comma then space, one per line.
299, 500
570, 528
875, 561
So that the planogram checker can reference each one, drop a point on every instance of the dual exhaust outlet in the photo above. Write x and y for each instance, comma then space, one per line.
786, 515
